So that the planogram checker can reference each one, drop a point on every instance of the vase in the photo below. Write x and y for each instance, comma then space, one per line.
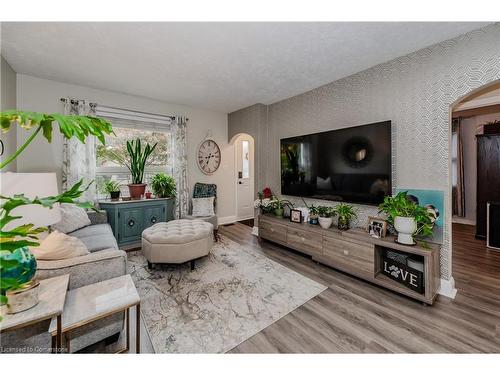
325, 222
405, 226
279, 212
26, 297
114, 195
26, 264
136, 190
343, 223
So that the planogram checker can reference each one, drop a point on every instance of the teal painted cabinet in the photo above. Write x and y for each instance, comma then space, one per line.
129, 218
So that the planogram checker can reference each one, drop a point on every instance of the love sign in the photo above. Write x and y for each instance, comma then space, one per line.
409, 277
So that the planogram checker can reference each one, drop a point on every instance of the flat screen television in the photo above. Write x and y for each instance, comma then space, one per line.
351, 164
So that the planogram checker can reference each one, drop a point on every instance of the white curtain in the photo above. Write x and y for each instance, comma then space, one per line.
179, 136
79, 159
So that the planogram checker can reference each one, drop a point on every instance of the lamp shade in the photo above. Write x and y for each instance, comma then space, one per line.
32, 185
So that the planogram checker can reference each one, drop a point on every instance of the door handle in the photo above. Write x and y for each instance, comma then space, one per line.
239, 182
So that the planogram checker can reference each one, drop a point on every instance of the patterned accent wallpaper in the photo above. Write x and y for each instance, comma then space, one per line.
415, 92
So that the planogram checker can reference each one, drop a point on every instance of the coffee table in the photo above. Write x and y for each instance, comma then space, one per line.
51, 297
97, 301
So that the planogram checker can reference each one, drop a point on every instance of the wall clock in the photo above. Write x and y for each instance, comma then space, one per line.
209, 156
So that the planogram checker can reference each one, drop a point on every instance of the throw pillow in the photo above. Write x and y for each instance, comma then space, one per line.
72, 218
203, 206
323, 183
58, 246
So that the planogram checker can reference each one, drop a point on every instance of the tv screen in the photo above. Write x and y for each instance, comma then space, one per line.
351, 164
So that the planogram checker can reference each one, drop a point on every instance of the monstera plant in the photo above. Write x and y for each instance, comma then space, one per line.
16, 240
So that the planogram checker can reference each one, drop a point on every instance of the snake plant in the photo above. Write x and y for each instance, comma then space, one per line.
138, 159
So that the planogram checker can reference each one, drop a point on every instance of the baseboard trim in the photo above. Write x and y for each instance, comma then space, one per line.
244, 218
447, 288
226, 220
255, 231
459, 220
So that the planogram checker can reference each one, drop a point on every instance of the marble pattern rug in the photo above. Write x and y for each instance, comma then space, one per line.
231, 295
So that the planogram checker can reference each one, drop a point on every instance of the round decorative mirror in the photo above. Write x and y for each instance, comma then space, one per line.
357, 152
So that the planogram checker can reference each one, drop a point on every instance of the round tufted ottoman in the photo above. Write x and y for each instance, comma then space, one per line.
177, 241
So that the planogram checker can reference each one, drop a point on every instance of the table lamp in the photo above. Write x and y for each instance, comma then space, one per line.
31, 185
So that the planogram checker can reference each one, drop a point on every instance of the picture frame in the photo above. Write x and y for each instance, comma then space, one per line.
376, 227
295, 216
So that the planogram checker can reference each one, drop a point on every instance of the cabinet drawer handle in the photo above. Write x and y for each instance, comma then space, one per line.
131, 223
154, 220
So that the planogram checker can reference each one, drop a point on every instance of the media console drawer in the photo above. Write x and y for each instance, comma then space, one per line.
349, 255
307, 242
272, 231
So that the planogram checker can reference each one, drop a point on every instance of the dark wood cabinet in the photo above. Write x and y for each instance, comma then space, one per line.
488, 177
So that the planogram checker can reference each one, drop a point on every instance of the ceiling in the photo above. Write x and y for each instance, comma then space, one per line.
217, 66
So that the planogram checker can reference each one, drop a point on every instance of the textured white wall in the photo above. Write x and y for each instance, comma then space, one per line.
35, 94
8, 101
415, 92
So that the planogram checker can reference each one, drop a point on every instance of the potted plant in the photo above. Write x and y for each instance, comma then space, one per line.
112, 188
325, 216
279, 206
264, 201
346, 213
138, 159
313, 214
264, 204
408, 218
17, 264
163, 186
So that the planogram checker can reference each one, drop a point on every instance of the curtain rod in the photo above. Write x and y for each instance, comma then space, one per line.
123, 109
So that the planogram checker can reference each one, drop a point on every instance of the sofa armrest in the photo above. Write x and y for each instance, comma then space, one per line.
98, 217
87, 269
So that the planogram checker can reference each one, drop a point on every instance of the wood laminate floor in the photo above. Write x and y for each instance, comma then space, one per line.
353, 316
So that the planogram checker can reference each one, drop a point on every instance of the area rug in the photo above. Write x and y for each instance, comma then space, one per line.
231, 295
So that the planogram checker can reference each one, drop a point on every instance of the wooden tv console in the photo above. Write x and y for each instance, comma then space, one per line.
353, 251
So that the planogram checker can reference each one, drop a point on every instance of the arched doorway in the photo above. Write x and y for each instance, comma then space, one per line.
244, 178
472, 125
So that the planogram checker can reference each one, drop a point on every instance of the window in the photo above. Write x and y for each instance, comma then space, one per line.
107, 156
245, 159
454, 155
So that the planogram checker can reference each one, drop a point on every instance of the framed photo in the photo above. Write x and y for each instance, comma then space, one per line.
296, 216
376, 227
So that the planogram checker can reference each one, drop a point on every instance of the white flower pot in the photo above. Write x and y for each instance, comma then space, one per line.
405, 226
325, 222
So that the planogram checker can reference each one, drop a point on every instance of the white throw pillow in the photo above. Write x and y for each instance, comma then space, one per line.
58, 246
324, 183
72, 218
203, 206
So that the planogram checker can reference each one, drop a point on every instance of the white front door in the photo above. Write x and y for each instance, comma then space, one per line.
244, 178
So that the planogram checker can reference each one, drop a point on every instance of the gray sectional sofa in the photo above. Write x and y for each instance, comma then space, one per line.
104, 262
